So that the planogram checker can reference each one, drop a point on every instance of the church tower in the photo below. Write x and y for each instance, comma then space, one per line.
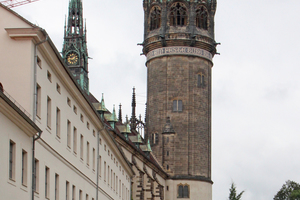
74, 51
179, 46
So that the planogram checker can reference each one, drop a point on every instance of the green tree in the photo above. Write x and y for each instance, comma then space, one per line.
233, 194
289, 191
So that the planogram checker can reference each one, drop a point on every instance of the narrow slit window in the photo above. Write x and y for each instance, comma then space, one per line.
56, 192
81, 147
49, 76
87, 153
12, 160
38, 101
47, 182
58, 122
75, 140
58, 88
24, 168
36, 175
67, 190
48, 112
69, 134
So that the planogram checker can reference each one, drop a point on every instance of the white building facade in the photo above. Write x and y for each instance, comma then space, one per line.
75, 158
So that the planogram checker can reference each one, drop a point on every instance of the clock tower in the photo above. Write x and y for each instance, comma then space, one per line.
74, 51
179, 46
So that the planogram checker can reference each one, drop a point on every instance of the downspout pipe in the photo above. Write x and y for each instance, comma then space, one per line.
34, 116
98, 155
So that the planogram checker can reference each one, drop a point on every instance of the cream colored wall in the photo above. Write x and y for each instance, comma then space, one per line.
14, 189
16, 75
59, 144
16, 63
198, 189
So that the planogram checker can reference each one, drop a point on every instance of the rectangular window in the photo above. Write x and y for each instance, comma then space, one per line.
48, 112
81, 147
58, 88
49, 76
114, 182
73, 192
75, 140
38, 101
67, 190
111, 179
75, 109
120, 187
94, 157
56, 195
12, 160
47, 182
99, 166
58, 122
88, 125
81, 117
24, 167
69, 101
108, 174
69, 134
104, 171
87, 197
87, 153
36, 175
39, 62
94, 133
177, 105
117, 184
80, 194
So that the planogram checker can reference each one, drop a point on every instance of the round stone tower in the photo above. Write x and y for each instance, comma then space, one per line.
179, 45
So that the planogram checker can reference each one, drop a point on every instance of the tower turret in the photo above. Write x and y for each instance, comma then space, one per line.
179, 46
74, 50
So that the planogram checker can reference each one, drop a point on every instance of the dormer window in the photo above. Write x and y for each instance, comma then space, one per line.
155, 18
178, 15
201, 18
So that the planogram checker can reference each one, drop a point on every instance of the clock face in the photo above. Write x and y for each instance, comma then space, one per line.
72, 58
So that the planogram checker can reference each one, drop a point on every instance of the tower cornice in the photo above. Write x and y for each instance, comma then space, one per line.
195, 28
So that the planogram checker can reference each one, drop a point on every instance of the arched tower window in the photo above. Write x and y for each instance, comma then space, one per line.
155, 18
178, 15
201, 18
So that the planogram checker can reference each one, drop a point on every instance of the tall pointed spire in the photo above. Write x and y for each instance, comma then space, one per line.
133, 115
120, 113
74, 51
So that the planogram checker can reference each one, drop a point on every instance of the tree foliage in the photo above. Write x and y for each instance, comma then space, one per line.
289, 191
233, 194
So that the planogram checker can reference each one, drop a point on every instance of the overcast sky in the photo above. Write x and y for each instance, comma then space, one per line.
255, 81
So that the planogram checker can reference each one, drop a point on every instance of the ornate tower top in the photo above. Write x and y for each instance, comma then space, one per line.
75, 51
180, 23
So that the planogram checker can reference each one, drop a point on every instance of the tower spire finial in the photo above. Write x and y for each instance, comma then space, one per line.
120, 113
133, 115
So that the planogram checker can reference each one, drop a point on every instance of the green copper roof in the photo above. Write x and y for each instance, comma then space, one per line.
124, 128
136, 139
100, 106
111, 117
147, 147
